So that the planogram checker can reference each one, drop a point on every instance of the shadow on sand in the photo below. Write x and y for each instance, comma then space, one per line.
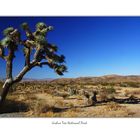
11, 106
130, 100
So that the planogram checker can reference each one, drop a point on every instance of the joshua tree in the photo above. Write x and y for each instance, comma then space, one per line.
44, 53
91, 96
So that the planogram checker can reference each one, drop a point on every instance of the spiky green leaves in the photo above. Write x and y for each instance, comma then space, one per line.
6, 41
60, 69
12, 36
25, 26
50, 28
40, 26
8, 30
52, 47
55, 63
35, 40
15, 36
42, 29
59, 59
56, 58
41, 40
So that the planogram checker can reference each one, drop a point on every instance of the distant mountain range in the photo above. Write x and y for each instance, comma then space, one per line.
104, 79
32, 79
101, 79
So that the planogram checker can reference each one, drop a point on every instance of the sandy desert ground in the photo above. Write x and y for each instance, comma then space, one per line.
116, 97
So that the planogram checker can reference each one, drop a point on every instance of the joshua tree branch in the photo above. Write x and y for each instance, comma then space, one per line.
40, 64
9, 63
9, 69
27, 56
29, 34
19, 77
36, 54
28, 51
27, 68
24, 71
9, 80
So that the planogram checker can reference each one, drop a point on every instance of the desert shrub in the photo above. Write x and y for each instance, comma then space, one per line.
113, 106
133, 84
61, 94
110, 90
123, 85
72, 91
130, 84
107, 84
37, 107
107, 93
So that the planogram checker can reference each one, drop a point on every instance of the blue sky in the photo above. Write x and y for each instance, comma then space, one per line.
93, 46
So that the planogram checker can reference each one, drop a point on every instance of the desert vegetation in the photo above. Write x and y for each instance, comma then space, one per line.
73, 98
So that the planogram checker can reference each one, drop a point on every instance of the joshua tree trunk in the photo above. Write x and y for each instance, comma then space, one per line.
4, 91
9, 81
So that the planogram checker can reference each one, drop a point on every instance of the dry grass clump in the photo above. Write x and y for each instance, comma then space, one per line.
110, 109
60, 103
32, 105
114, 110
39, 107
112, 106
61, 94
